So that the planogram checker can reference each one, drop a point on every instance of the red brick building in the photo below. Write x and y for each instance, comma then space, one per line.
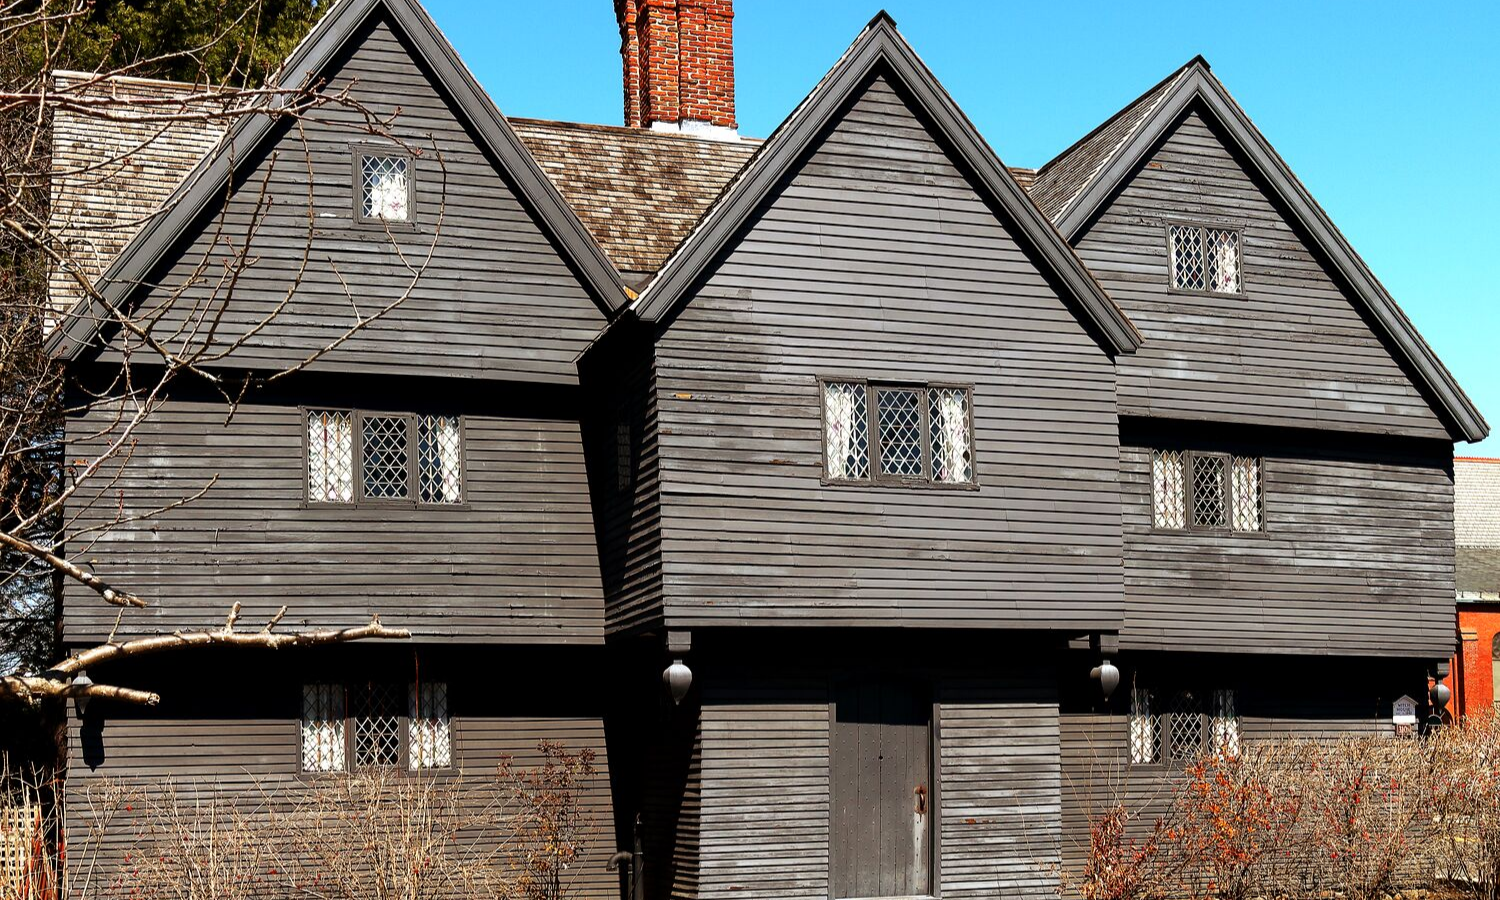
1477, 537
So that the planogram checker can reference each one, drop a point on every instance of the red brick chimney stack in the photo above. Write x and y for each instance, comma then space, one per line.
679, 65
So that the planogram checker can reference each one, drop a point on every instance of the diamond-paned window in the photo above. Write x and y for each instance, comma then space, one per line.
429, 735
383, 457
948, 421
1209, 494
376, 715
323, 728
1168, 489
1224, 724
330, 456
1246, 500
1145, 728
899, 426
385, 189
439, 463
1185, 726
1205, 259
846, 430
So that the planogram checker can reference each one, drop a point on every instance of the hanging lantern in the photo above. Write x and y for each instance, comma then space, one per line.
1108, 677
678, 678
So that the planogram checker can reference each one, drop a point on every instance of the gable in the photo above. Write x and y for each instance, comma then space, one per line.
881, 49
488, 282
1195, 89
1295, 350
880, 256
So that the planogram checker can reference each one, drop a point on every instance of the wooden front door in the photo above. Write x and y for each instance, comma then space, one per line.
882, 789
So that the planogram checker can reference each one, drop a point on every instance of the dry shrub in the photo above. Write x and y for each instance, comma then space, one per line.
1466, 806
28, 868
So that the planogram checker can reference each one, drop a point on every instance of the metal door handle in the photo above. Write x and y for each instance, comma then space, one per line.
921, 792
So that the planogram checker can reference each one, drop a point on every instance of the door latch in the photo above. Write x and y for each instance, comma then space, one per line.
921, 794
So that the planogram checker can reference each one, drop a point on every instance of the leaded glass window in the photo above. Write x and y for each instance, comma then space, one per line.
439, 466
1224, 724
1145, 730
1211, 491
385, 188
1205, 259
1209, 496
383, 457
429, 738
846, 430
322, 728
330, 456
948, 422
898, 413
376, 714
1168, 489
1175, 725
901, 434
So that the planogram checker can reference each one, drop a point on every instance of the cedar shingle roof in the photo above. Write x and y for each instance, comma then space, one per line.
1058, 183
1476, 527
638, 192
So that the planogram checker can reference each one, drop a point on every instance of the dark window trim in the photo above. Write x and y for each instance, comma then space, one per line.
403, 731
1239, 228
1189, 488
358, 150
872, 438
413, 462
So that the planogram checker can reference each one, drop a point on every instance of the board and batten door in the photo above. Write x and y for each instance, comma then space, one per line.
881, 778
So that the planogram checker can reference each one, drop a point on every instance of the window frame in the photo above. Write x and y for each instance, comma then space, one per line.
1189, 490
358, 150
357, 463
403, 731
878, 478
1238, 228
1161, 699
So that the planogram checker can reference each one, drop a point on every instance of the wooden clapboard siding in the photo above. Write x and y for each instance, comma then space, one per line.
878, 258
1356, 557
763, 830
619, 378
234, 738
1277, 698
496, 300
1000, 786
516, 562
1293, 351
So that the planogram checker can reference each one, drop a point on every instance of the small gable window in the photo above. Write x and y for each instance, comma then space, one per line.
1206, 491
898, 433
354, 456
385, 187
1205, 259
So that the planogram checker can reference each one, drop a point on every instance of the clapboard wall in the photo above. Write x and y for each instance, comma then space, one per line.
764, 829
516, 562
482, 289
878, 258
1277, 698
1356, 556
227, 732
1295, 350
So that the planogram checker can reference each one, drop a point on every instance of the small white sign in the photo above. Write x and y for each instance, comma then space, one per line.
1404, 711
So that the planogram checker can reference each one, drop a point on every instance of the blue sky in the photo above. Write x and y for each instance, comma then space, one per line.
1389, 113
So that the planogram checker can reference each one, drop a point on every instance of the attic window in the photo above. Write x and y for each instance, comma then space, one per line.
1205, 259
358, 457
385, 188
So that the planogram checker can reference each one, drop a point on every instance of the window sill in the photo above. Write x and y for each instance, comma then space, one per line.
911, 485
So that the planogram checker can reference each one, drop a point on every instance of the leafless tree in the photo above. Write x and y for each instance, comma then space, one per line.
195, 335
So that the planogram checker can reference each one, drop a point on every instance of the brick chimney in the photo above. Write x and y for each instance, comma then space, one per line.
679, 65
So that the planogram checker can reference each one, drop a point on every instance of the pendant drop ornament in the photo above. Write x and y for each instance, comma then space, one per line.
1108, 677
678, 678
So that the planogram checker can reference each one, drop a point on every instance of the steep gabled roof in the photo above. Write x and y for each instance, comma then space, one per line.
880, 45
311, 58
1087, 176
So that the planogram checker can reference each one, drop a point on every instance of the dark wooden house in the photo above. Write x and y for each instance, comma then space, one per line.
882, 445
